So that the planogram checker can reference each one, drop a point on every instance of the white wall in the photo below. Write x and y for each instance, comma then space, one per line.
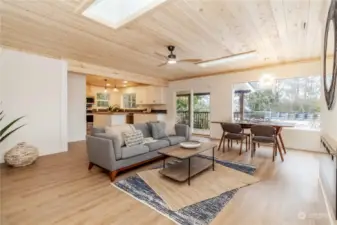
34, 87
220, 88
76, 107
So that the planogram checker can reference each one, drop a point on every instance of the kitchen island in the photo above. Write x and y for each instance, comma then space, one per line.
102, 119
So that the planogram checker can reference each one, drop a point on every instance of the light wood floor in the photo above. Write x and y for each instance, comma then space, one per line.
58, 189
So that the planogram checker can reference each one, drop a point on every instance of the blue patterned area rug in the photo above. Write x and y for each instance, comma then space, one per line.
201, 213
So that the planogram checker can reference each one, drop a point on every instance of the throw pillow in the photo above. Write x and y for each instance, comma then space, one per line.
133, 138
118, 130
158, 130
170, 129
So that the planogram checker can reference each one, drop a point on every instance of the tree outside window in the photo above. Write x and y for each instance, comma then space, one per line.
294, 100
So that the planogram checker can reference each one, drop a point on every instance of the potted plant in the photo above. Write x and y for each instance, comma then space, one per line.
22, 154
5, 132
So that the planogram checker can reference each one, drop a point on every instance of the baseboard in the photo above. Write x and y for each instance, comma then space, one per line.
327, 205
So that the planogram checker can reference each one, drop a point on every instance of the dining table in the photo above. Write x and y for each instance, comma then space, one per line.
277, 125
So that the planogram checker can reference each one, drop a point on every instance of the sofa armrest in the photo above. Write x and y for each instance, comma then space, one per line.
115, 143
183, 130
101, 152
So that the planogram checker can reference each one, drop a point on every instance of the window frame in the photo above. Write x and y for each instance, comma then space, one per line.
130, 102
312, 119
99, 99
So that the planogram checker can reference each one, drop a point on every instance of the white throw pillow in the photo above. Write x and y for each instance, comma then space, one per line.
118, 131
170, 129
133, 138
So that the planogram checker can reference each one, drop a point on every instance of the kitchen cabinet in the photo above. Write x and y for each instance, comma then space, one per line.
155, 95
140, 95
150, 95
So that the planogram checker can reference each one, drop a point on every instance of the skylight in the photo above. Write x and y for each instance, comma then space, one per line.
115, 13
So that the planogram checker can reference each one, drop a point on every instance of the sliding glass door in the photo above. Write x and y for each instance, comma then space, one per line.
183, 108
193, 109
201, 113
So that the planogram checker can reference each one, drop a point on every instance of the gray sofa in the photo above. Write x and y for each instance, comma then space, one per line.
104, 150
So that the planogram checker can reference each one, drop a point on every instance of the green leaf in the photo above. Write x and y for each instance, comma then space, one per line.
2, 131
9, 133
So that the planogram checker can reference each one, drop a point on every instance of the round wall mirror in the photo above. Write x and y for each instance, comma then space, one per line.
330, 69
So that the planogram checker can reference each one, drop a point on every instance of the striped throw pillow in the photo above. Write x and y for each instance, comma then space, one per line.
133, 138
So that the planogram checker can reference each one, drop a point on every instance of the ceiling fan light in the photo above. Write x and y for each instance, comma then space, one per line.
171, 61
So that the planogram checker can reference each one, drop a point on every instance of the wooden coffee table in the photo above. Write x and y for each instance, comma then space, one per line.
191, 164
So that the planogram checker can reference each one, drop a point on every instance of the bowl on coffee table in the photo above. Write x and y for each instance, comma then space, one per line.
190, 144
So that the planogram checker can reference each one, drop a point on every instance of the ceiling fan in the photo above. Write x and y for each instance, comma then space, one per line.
172, 58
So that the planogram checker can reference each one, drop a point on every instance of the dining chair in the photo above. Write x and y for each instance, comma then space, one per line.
265, 135
232, 131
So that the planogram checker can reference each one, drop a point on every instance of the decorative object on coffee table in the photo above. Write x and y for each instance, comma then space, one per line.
21, 155
190, 144
330, 72
190, 165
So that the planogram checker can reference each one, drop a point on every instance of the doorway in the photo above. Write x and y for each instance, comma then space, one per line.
196, 109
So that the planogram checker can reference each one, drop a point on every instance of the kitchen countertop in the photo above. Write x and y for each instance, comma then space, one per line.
122, 113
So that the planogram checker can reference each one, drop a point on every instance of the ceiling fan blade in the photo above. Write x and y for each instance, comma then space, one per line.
190, 60
158, 54
163, 64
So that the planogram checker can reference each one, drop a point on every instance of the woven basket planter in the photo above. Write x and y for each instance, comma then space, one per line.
21, 155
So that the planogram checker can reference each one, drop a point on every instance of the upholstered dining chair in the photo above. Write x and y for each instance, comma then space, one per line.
264, 135
232, 131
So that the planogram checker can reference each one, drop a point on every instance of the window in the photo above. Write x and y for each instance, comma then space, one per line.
295, 100
102, 99
129, 101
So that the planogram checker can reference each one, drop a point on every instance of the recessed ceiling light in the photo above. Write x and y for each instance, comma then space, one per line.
125, 82
124, 85
227, 59
107, 84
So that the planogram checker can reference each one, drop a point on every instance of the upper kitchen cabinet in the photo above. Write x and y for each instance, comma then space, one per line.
150, 95
140, 95
155, 95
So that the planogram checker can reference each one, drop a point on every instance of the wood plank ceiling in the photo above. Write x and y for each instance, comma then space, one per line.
99, 81
280, 32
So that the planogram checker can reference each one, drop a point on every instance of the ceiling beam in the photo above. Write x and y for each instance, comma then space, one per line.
87, 68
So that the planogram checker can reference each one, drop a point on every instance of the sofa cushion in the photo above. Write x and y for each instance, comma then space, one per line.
128, 152
174, 140
158, 130
144, 128
97, 130
158, 145
118, 130
133, 138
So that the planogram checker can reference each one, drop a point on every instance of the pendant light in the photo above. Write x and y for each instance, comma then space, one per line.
115, 88
105, 88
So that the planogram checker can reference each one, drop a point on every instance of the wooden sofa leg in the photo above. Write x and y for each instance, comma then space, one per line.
90, 165
113, 175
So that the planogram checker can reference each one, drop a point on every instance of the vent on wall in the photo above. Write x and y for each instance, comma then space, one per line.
115, 13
